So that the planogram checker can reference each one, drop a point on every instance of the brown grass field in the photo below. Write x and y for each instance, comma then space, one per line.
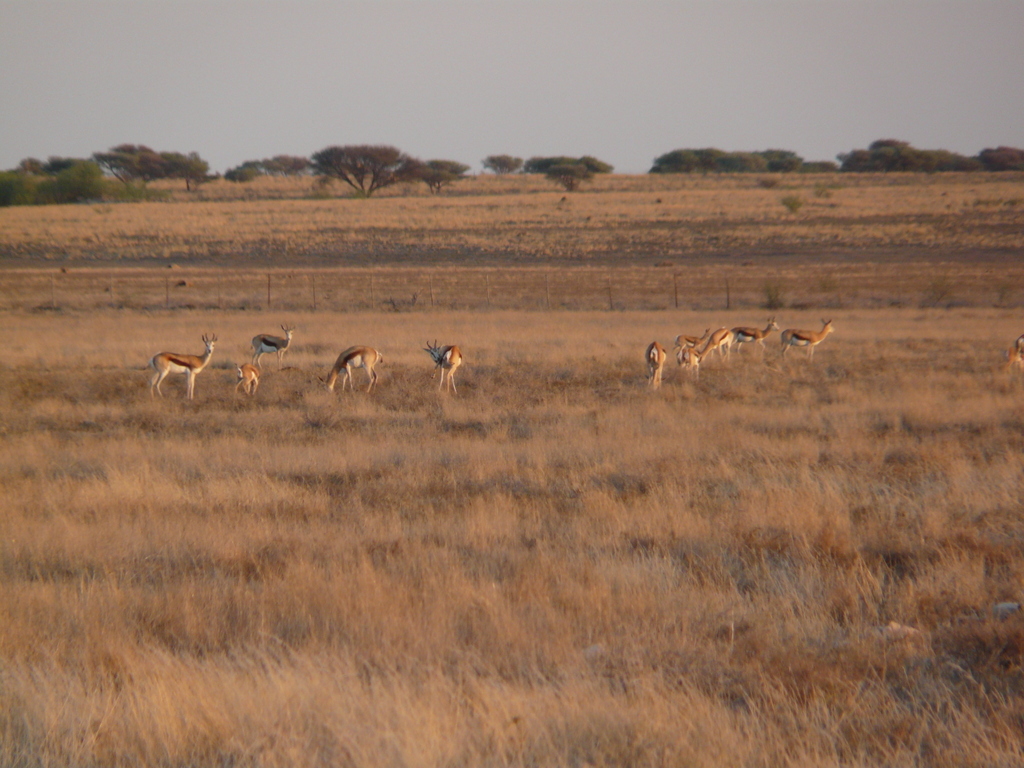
555, 567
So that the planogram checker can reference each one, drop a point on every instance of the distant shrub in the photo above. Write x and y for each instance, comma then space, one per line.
545, 164
438, 174
81, 181
502, 164
774, 297
782, 160
569, 175
712, 160
278, 165
17, 189
819, 166
889, 155
243, 173
793, 203
133, 193
768, 183
1002, 159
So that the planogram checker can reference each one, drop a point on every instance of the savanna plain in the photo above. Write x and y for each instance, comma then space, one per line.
785, 562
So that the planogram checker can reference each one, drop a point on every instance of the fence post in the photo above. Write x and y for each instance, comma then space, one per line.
268, 291
611, 305
675, 289
314, 292
430, 279
167, 293
53, 295
487, 282
728, 298
373, 295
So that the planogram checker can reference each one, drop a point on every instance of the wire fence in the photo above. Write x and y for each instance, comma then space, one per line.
522, 288
361, 290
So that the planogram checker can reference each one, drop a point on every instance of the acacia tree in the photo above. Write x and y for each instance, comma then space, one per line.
129, 162
438, 174
502, 164
191, 167
365, 168
569, 175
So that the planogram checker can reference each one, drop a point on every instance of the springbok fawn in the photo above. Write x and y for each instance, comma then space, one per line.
248, 378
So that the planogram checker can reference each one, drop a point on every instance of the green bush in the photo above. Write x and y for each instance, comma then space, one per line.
16, 189
81, 181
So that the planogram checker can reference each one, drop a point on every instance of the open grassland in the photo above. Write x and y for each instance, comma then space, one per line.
613, 220
555, 567
757, 284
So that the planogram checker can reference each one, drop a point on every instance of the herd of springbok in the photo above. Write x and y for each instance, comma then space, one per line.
690, 351
447, 359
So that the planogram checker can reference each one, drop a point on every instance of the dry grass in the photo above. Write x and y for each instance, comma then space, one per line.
615, 219
800, 283
556, 567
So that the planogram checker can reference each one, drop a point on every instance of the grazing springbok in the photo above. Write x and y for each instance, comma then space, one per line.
445, 359
744, 335
248, 378
1015, 356
171, 362
265, 343
722, 340
655, 357
354, 357
809, 339
683, 341
691, 359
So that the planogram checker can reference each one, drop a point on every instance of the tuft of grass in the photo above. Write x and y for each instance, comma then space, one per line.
792, 203
774, 295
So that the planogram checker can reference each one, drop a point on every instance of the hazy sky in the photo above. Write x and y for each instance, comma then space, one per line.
624, 81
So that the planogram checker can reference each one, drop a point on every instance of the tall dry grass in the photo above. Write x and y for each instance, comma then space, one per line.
615, 219
555, 567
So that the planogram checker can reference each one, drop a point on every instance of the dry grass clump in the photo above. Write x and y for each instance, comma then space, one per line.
555, 567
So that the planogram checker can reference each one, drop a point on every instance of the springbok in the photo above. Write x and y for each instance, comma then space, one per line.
809, 339
354, 357
722, 340
683, 341
744, 335
446, 359
655, 357
248, 378
691, 358
265, 343
1015, 356
171, 362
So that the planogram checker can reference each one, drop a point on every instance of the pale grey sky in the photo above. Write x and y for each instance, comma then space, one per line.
624, 81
